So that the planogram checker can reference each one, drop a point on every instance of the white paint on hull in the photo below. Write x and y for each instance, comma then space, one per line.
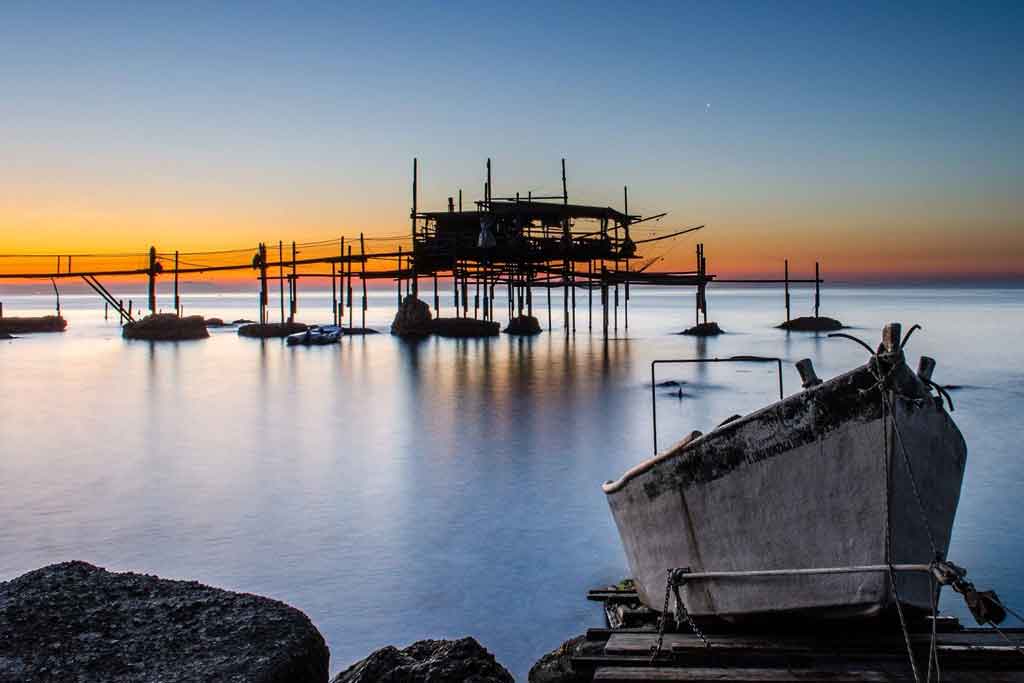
796, 498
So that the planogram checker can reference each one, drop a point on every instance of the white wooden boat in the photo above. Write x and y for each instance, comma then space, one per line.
824, 479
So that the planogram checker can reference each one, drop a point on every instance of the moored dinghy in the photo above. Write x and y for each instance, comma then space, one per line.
316, 335
849, 477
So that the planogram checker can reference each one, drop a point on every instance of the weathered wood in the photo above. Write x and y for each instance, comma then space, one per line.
737, 675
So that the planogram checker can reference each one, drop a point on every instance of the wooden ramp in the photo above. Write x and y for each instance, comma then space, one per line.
868, 651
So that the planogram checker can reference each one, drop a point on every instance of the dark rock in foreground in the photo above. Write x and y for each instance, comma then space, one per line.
556, 666
523, 324
703, 330
412, 319
427, 661
166, 327
75, 622
271, 330
464, 327
812, 324
45, 323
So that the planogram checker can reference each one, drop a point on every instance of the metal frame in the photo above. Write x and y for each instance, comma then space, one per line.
730, 359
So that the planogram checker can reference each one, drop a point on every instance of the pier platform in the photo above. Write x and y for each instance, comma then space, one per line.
624, 650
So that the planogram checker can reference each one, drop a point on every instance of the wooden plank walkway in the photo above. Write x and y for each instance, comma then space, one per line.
867, 651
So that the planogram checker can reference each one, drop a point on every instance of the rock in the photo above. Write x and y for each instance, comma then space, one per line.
44, 323
464, 327
76, 622
556, 666
523, 324
242, 321
166, 327
427, 661
4, 335
703, 330
413, 318
214, 322
358, 330
271, 330
812, 324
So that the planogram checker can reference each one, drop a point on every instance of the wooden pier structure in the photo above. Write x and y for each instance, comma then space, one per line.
630, 648
509, 246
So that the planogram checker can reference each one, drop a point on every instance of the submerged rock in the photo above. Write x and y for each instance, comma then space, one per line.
523, 324
427, 661
75, 622
464, 327
271, 330
556, 666
166, 327
811, 323
354, 331
412, 319
703, 330
43, 323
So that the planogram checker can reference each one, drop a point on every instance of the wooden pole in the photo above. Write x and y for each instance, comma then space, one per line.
152, 280
547, 286
625, 309
177, 299
295, 285
572, 287
334, 296
341, 280
415, 278
565, 192
604, 300
280, 281
786, 276
351, 317
565, 295
264, 294
437, 298
590, 295
817, 289
398, 280
362, 255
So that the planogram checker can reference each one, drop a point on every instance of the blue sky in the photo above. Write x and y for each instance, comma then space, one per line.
761, 118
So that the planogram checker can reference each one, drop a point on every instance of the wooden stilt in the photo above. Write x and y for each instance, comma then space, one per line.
152, 280
348, 266
177, 299
362, 259
264, 294
786, 277
590, 295
817, 289
334, 295
294, 307
280, 280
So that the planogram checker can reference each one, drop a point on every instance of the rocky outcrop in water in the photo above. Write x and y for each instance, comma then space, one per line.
44, 323
214, 322
427, 661
73, 622
523, 325
703, 330
556, 666
166, 327
812, 323
412, 319
271, 330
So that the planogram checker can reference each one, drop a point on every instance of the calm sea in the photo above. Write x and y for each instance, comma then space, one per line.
398, 491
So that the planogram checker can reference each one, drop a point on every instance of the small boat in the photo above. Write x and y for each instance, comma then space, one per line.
316, 335
836, 502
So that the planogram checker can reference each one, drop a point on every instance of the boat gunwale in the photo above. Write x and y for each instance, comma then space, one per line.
686, 445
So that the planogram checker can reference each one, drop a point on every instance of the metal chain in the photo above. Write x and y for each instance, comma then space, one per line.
672, 587
655, 651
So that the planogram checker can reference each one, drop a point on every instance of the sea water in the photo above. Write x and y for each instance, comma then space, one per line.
395, 491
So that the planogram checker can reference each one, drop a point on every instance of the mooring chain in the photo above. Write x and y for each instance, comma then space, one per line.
672, 584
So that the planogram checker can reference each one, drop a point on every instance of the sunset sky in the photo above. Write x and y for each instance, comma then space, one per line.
884, 139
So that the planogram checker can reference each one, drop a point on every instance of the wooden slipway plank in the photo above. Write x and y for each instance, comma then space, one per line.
703, 675
638, 674
641, 643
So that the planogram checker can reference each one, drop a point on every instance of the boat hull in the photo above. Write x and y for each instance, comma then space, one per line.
805, 483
